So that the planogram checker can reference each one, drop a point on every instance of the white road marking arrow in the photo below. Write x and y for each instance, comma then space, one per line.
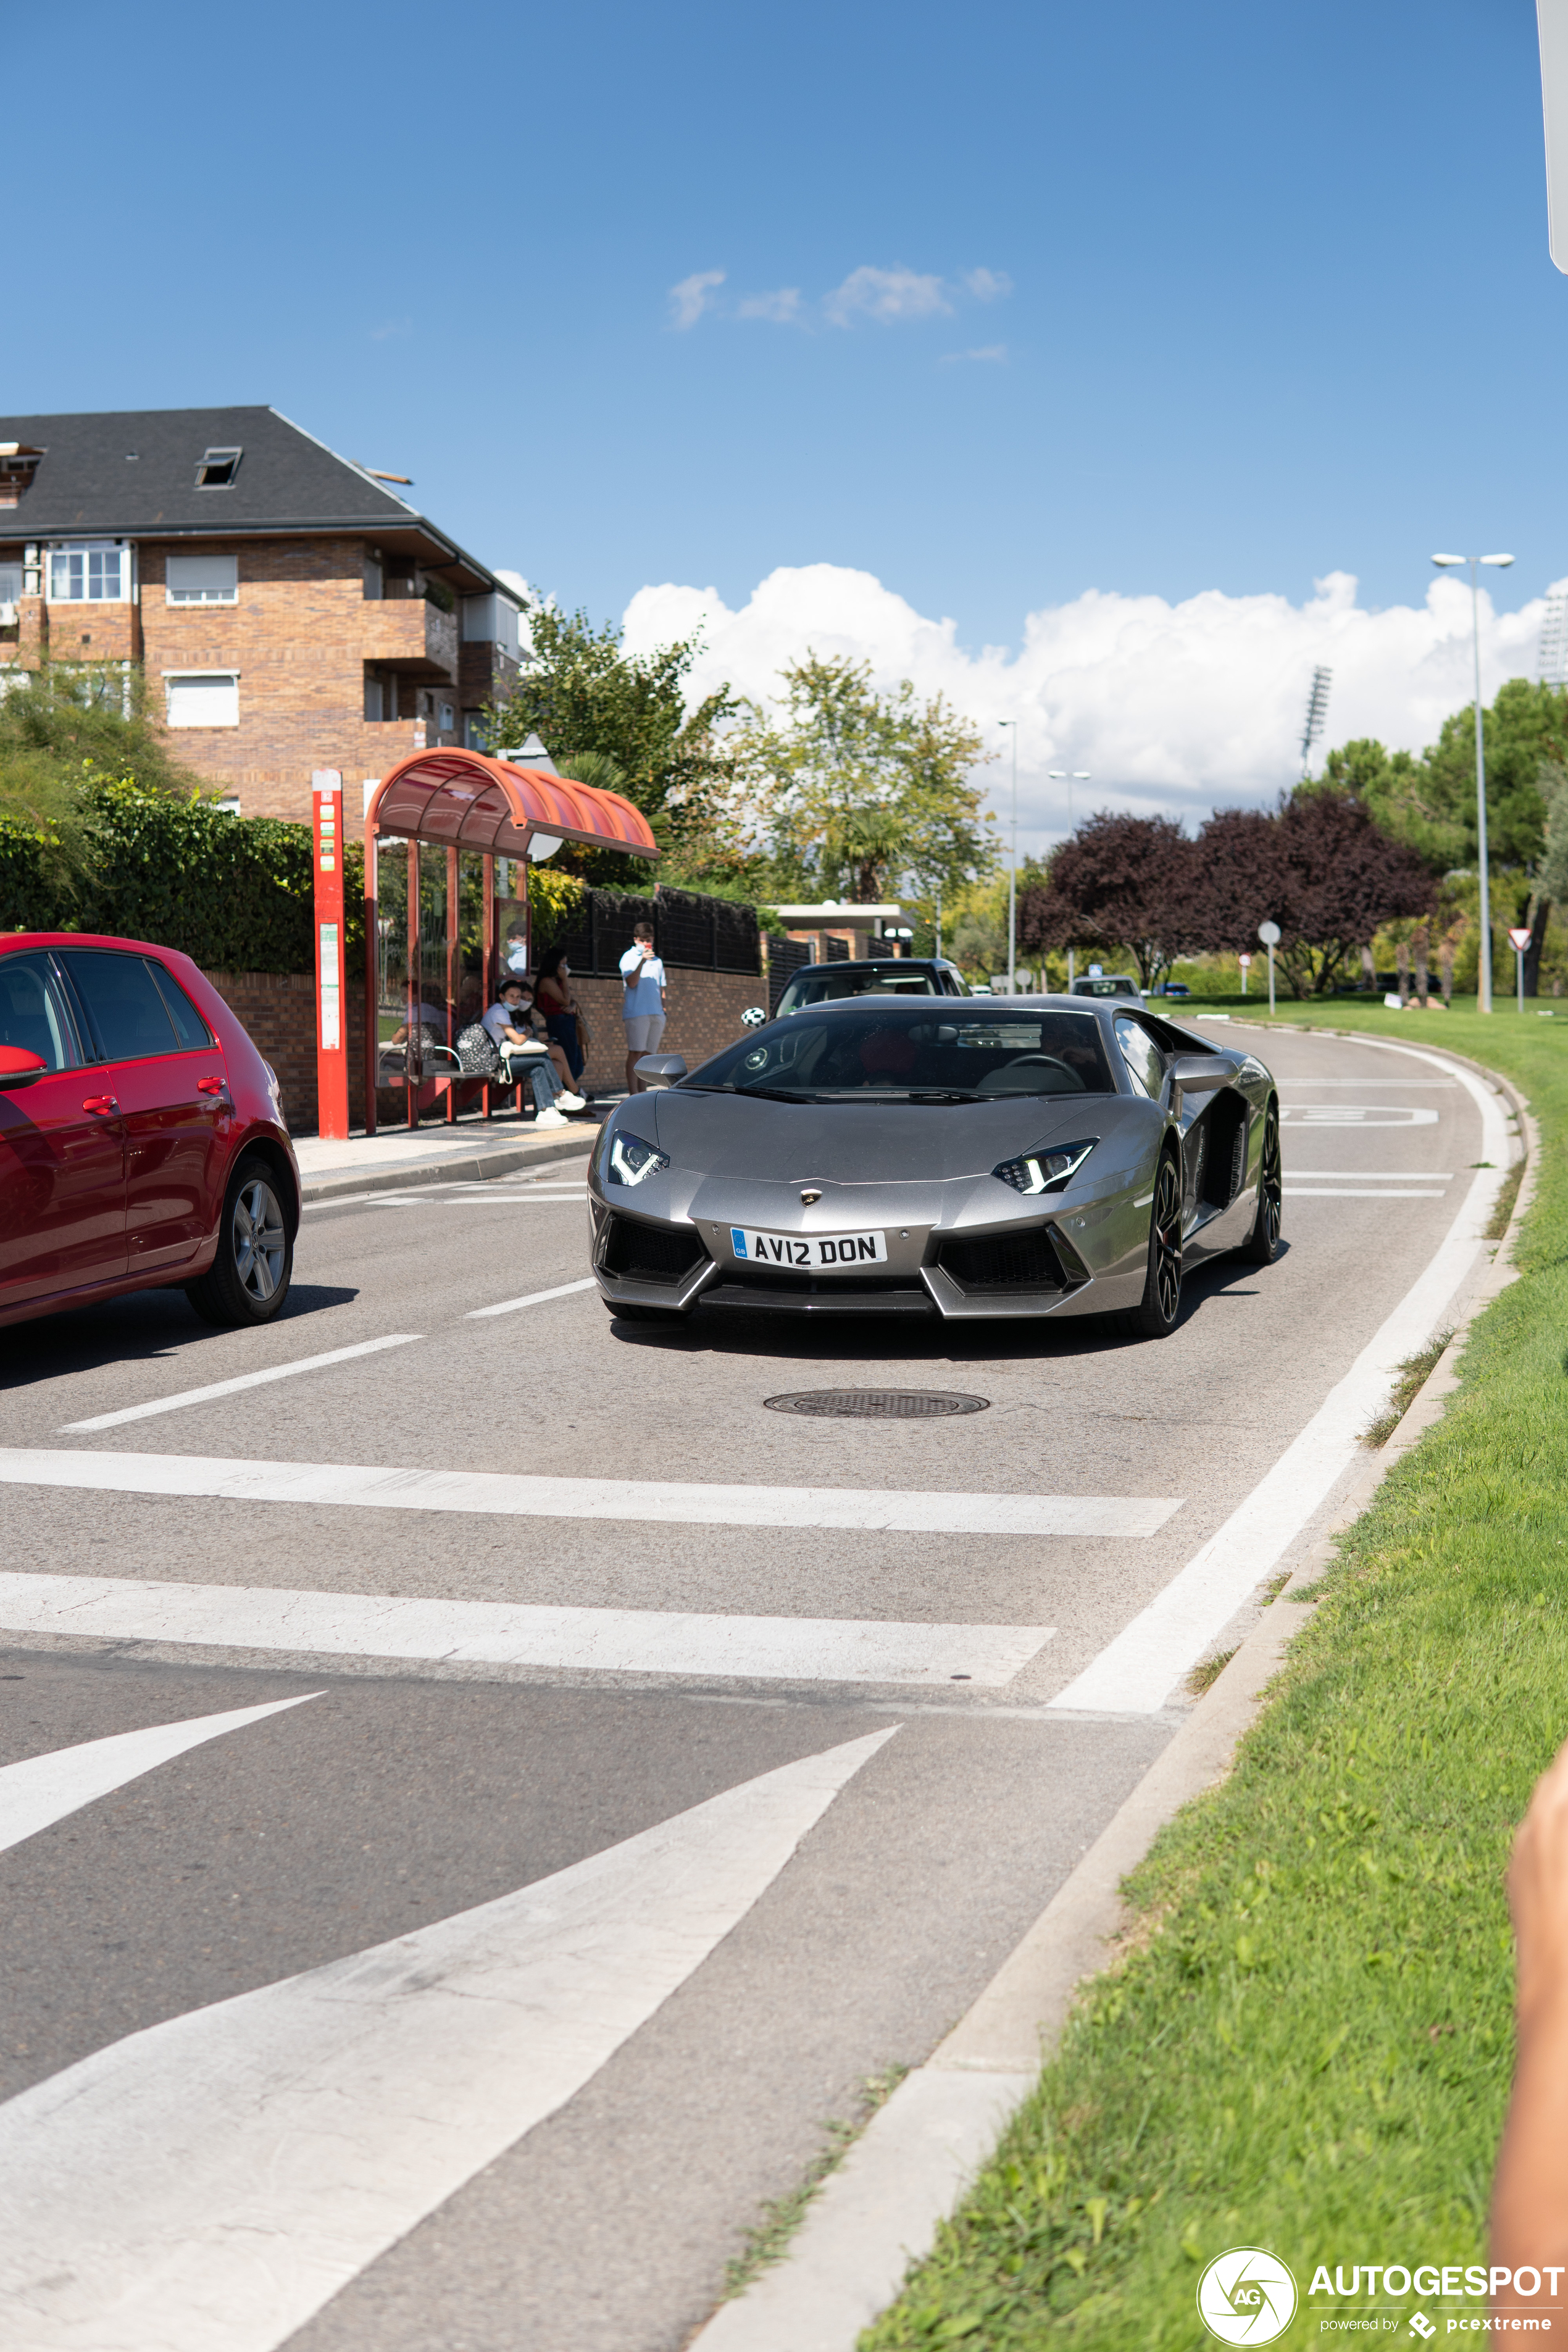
208, 2184
44, 1789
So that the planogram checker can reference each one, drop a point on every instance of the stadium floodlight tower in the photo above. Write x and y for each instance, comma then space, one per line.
1553, 654
1317, 711
1484, 978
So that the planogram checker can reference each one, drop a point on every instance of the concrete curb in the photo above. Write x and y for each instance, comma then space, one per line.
456, 1168
881, 2210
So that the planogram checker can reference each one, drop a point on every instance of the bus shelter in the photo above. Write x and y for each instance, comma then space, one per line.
448, 838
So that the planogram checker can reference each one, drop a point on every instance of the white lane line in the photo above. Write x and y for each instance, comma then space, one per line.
1358, 1192
504, 1633
209, 2183
646, 1499
533, 1298
44, 1789
242, 1381
1338, 1085
1145, 1661
1373, 1175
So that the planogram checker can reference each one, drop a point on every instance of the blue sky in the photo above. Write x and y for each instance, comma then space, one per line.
1265, 291
1280, 296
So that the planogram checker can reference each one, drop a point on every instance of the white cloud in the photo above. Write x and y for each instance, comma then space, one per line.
783, 306
993, 351
1171, 707
988, 285
693, 296
888, 296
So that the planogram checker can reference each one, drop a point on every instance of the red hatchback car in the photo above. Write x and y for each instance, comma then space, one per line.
142, 1136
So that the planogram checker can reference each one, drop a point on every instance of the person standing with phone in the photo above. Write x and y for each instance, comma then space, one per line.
644, 1007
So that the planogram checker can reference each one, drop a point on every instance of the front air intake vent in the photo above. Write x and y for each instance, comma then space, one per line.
651, 1253
1015, 1261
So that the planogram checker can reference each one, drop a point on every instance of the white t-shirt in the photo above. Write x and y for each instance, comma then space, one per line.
502, 1017
647, 996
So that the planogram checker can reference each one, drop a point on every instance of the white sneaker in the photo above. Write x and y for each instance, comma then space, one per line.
550, 1119
564, 1102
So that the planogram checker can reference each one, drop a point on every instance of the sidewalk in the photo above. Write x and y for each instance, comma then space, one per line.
397, 1158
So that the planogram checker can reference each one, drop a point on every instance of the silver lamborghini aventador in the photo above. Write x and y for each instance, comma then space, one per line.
1032, 1156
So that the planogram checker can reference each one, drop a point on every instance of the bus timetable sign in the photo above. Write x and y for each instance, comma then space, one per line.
331, 1047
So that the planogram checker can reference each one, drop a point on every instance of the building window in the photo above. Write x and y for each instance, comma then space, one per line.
373, 578
381, 698
202, 580
203, 698
476, 734
218, 469
89, 571
444, 717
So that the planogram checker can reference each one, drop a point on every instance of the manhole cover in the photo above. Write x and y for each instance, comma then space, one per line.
878, 1404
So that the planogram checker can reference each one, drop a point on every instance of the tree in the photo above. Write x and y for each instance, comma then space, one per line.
581, 695
1320, 868
65, 732
1430, 803
1119, 881
847, 789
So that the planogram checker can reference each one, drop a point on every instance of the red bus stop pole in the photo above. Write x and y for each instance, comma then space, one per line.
332, 1043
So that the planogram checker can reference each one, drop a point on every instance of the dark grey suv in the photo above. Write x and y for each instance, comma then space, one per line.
826, 983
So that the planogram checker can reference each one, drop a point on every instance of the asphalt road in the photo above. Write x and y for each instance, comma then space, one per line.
743, 1971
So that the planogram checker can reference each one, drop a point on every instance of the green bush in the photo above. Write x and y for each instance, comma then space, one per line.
236, 894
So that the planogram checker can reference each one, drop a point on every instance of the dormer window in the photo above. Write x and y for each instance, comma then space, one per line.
218, 469
18, 464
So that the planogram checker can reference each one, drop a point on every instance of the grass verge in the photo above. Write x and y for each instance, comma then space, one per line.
1307, 2043
1414, 1374
769, 2240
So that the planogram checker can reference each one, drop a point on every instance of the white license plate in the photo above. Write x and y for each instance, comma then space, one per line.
809, 1252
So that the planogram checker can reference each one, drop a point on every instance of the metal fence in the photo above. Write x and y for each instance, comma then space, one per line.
691, 931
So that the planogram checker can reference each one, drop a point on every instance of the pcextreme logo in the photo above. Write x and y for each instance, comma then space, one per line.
1246, 2296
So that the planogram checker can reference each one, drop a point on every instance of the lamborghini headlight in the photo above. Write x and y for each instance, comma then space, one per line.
631, 1160
1049, 1169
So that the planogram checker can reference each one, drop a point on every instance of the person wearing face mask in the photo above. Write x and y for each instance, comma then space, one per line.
524, 1056
562, 1014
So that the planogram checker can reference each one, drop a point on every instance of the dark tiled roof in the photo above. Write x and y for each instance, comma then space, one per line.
88, 480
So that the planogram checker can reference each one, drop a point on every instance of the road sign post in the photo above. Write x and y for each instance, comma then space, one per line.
331, 1044
1519, 939
1270, 934
1246, 963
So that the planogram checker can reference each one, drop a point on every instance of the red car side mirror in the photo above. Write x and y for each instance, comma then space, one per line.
19, 1068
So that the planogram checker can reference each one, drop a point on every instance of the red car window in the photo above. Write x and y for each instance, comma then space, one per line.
189, 1027
32, 1012
129, 1017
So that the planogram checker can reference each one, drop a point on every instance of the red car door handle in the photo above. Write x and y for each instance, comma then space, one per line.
100, 1103
211, 1086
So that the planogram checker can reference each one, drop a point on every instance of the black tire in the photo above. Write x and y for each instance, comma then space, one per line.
1155, 1315
1262, 1243
644, 1314
248, 1280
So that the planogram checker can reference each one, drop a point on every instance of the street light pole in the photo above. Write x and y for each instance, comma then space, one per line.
1484, 975
1012, 870
1070, 778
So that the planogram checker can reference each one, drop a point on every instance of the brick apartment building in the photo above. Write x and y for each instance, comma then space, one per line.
290, 610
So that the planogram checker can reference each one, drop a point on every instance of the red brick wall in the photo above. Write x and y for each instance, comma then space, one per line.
705, 1009
277, 1011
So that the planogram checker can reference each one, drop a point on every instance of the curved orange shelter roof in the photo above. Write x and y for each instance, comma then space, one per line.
465, 800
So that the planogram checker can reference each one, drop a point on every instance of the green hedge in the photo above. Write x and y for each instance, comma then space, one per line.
234, 893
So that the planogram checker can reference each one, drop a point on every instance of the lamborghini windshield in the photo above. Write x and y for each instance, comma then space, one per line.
865, 1051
